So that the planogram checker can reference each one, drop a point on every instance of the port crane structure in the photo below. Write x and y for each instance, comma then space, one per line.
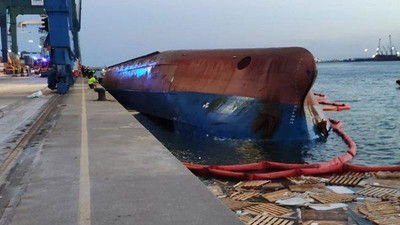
64, 21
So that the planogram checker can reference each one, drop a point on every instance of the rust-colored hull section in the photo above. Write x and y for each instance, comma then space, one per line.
219, 85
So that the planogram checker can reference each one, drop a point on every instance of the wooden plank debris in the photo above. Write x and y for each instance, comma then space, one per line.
348, 179
220, 182
379, 192
382, 213
242, 196
386, 175
378, 209
273, 186
307, 187
216, 190
276, 195
354, 174
234, 204
257, 184
328, 198
305, 180
268, 209
245, 218
261, 220
387, 220
325, 215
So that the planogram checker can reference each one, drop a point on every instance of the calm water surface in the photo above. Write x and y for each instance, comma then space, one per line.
373, 123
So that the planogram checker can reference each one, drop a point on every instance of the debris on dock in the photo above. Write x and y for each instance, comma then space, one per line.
328, 198
348, 179
276, 195
337, 199
269, 209
260, 220
251, 184
379, 192
308, 187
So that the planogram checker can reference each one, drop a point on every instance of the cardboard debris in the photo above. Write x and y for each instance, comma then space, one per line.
240, 196
276, 195
261, 220
328, 198
251, 184
269, 209
307, 187
234, 204
297, 201
328, 206
216, 190
379, 192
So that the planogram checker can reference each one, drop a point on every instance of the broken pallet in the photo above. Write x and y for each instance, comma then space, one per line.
305, 180
378, 209
245, 218
276, 195
307, 187
269, 209
252, 184
235, 205
243, 196
382, 213
387, 220
328, 198
261, 220
379, 192
348, 179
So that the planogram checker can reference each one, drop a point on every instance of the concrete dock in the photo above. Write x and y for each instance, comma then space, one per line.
92, 162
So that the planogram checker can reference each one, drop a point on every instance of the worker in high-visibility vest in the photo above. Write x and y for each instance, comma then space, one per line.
92, 82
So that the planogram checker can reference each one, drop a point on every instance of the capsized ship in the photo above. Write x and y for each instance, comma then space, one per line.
227, 93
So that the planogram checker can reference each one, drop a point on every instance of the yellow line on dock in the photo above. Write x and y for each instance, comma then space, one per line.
84, 183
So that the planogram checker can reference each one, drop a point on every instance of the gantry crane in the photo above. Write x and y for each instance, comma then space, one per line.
63, 21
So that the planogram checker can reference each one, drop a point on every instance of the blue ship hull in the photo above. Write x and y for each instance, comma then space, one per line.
222, 116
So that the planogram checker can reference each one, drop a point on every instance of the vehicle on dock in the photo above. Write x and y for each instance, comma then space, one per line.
229, 93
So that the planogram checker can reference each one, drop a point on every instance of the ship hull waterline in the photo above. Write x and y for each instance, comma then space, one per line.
268, 100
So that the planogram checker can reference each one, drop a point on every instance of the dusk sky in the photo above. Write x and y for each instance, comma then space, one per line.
114, 31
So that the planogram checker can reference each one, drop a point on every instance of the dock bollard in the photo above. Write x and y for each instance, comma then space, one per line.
102, 94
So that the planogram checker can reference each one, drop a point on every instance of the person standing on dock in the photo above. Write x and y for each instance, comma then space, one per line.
92, 82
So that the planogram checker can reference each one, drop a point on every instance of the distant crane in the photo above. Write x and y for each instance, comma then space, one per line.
390, 45
378, 49
385, 50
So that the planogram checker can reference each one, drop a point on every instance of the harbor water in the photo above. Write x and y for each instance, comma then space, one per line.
373, 123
